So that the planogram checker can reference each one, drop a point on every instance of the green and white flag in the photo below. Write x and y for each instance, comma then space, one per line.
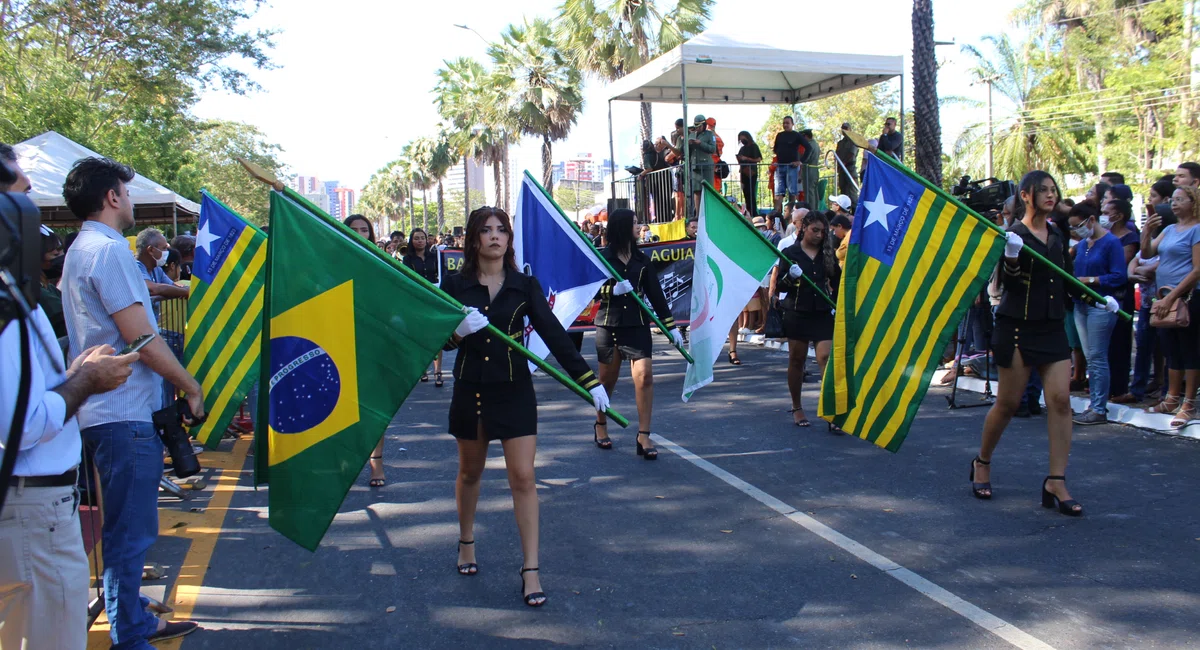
731, 262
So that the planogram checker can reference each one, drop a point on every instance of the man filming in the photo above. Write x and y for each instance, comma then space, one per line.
43, 568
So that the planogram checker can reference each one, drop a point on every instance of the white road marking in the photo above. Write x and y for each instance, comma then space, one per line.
983, 619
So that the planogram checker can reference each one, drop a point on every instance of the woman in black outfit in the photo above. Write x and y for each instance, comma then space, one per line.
1030, 334
807, 318
748, 157
493, 390
425, 262
623, 329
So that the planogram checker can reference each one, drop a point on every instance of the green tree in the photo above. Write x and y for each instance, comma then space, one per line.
467, 100
611, 41
573, 200
214, 167
386, 192
544, 91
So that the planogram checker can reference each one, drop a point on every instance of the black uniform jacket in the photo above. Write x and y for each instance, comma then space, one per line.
426, 268
483, 358
1031, 291
800, 294
623, 310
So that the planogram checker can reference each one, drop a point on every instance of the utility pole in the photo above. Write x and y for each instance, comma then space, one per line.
990, 136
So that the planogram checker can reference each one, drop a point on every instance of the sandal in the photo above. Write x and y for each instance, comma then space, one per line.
425, 376
1185, 414
648, 453
377, 482
603, 444
802, 423
537, 598
733, 358
980, 490
1168, 405
1071, 507
467, 568
437, 379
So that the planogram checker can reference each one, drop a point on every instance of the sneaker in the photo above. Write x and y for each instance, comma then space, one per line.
1090, 417
174, 629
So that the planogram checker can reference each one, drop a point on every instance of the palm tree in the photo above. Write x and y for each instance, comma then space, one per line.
611, 42
544, 91
415, 159
438, 157
927, 129
467, 100
385, 193
1038, 136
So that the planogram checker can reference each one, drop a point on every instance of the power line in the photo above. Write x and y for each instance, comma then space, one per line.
1116, 96
1042, 100
1108, 11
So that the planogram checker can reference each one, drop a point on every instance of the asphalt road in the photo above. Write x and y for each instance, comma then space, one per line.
716, 548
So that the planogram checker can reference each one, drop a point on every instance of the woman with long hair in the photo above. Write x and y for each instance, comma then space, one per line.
1178, 249
623, 329
807, 318
361, 225
1030, 334
421, 258
493, 389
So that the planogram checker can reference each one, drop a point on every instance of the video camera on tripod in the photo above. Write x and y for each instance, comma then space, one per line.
987, 194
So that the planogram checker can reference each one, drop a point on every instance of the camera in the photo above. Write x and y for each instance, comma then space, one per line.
168, 423
981, 196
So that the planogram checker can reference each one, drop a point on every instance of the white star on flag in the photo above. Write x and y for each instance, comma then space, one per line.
204, 238
878, 211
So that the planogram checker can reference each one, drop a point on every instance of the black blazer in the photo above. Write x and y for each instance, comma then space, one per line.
800, 294
483, 358
1031, 291
623, 310
426, 268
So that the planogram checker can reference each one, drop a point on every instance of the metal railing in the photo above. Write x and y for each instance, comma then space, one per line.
657, 196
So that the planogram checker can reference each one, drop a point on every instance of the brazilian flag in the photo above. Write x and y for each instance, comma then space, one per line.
347, 336
224, 314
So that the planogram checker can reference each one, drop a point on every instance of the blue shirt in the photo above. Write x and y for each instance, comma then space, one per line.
157, 276
1104, 260
1175, 254
100, 278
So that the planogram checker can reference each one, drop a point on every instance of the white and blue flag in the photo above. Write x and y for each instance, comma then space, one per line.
549, 248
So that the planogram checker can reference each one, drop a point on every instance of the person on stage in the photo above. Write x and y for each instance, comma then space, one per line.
807, 318
493, 390
623, 328
1030, 334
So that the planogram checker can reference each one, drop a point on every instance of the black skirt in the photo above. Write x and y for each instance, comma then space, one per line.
1041, 342
811, 326
633, 342
507, 409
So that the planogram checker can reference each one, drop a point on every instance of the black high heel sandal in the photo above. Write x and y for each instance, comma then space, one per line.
469, 568
1070, 507
603, 444
437, 379
978, 488
425, 376
537, 598
377, 482
648, 453
802, 423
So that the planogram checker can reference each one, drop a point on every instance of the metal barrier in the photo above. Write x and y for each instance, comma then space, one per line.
172, 326
657, 197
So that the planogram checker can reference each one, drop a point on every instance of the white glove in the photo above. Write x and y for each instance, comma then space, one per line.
1110, 305
677, 338
600, 398
473, 322
621, 288
795, 272
1013, 245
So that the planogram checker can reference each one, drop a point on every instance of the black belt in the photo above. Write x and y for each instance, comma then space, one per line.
70, 477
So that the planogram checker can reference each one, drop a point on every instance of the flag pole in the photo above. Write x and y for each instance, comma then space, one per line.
899, 166
778, 253
288, 192
663, 328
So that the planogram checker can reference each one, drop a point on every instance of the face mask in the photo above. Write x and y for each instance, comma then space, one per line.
1105, 222
56, 268
1081, 231
162, 259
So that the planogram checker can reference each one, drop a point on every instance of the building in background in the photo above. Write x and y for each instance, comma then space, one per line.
342, 202
583, 171
454, 178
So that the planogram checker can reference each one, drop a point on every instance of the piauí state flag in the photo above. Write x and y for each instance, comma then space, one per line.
914, 264
224, 314
731, 262
548, 247
349, 337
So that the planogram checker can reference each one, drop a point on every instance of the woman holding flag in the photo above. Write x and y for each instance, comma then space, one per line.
493, 389
1030, 334
807, 318
623, 328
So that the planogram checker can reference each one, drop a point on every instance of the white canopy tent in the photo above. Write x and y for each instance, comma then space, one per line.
715, 68
47, 158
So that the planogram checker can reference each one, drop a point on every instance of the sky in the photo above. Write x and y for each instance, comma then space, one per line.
354, 78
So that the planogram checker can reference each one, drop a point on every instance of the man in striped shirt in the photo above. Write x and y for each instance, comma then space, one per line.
106, 302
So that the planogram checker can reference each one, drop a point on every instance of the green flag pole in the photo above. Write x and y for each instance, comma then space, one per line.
774, 249
613, 272
1096, 297
264, 176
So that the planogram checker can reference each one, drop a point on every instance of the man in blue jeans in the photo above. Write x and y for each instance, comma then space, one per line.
787, 165
106, 302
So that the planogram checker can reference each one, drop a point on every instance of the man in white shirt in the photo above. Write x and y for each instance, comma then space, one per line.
794, 229
43, 569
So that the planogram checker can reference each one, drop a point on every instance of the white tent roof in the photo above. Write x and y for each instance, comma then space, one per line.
745, 72
47, 158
